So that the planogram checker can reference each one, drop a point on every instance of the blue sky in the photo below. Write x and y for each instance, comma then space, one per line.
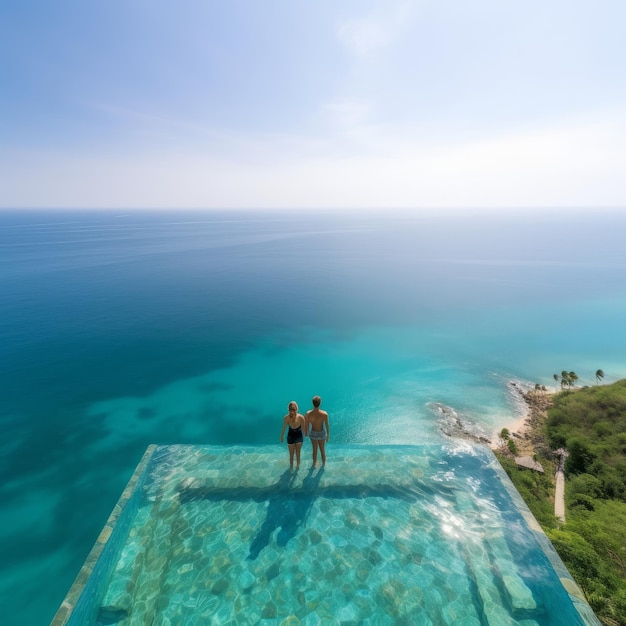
318, 104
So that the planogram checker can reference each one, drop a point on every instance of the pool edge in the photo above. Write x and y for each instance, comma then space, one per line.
73, 596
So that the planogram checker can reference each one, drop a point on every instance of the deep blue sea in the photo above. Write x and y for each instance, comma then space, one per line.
120, 329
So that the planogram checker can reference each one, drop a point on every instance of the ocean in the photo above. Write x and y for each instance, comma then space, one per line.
121, 329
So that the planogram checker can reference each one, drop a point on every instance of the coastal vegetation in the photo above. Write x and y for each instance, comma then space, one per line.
590, 424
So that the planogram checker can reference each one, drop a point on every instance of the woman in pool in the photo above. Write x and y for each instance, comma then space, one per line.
295, 436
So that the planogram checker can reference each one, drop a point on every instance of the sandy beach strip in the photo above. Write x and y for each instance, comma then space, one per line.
525, 428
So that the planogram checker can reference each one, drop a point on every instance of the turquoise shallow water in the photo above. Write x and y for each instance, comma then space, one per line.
121, 330
425, 535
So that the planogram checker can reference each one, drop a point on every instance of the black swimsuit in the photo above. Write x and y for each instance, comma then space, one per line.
294, 435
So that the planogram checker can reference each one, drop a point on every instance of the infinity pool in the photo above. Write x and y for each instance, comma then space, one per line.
420, 535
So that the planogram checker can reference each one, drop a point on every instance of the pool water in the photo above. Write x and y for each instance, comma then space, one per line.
420, 535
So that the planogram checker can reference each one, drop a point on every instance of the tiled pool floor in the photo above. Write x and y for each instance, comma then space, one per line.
420, 535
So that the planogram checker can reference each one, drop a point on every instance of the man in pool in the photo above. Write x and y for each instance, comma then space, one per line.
320, 430
295, 421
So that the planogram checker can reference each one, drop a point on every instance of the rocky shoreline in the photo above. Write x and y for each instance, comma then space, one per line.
526, 431
529, 433
450, 424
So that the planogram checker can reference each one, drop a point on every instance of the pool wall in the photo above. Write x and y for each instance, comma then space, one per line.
82, 601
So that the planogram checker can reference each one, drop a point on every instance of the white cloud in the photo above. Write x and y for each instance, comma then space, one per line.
364, 35
370, 33
347, 113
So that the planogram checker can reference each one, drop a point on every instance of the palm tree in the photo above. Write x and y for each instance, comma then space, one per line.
556, 378
573, 377
599, 375
564, 379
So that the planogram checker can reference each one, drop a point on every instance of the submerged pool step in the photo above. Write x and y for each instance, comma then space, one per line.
118, 599
493, 569
137, 583
521, 600
149, 588
479, 566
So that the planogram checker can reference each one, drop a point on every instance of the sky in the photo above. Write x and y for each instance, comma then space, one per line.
312, 104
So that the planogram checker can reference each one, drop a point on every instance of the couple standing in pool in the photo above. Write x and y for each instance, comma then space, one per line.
313, 425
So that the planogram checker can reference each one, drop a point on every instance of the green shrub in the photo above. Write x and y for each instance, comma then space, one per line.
581, 500
605, 530
584, 484
603, 429
580, 456
525, 480
581, 559
557, 439
613, 487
